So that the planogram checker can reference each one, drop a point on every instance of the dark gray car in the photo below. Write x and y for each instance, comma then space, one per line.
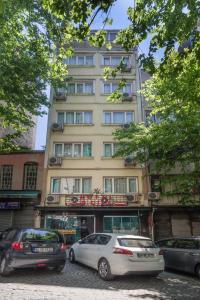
31, 248
182, 253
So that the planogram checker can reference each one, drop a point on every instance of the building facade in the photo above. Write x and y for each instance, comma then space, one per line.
87, 189
21, 178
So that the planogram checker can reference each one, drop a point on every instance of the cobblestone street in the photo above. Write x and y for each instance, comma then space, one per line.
80, 282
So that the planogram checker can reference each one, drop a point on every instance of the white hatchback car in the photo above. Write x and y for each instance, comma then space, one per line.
117, 254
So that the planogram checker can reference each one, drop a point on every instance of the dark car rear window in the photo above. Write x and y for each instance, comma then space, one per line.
137, 243
40, 235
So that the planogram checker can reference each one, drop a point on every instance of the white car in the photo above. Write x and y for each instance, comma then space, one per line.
117, 254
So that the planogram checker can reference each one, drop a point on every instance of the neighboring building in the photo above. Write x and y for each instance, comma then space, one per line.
88, 190
169, 216
21, 179
27, 139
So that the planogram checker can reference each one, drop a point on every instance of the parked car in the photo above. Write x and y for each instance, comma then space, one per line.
182, 253
31, 248
116, 254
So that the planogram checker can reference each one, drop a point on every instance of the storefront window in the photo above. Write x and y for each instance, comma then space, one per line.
121, 224
72, 228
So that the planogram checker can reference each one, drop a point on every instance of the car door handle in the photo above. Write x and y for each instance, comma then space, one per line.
194, 254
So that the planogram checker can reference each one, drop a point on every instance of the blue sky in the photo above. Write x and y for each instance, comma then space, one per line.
120, 20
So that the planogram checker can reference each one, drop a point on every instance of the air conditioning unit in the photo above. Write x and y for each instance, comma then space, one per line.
60, 96
127, 97
52, 199
129, 161
132, 198
126, 68
57, 127
126, 125
153, 196
55, 161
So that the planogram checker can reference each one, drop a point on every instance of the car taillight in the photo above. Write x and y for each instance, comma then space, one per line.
161, 252
17, 246
122, 251
63, 247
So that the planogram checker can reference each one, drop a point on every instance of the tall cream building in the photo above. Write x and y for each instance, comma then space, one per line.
87, 190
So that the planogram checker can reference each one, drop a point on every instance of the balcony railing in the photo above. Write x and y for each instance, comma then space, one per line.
99, 200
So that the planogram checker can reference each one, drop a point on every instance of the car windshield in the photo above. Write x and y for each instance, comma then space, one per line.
40, 235
136, 243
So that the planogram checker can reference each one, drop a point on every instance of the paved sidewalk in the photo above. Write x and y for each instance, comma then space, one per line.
80, 282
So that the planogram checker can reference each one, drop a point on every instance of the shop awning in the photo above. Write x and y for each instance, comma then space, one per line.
20, 194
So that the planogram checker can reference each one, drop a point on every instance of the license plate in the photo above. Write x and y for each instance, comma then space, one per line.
43, 250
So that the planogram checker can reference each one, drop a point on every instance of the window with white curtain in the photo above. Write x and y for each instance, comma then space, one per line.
118, 117
73, 149
74, 117
70, 185
120, 185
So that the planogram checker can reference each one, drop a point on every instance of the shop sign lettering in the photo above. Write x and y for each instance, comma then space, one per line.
95, 200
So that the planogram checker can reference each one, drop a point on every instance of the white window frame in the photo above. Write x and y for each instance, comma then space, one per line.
110, 59
112, 148
84, 57
127, 184
73, 147
75, 112
83, 83
60, 183
111, 87
125, 112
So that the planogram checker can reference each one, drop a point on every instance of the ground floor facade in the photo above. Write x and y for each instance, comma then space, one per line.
176, 221
17, 208
75, 224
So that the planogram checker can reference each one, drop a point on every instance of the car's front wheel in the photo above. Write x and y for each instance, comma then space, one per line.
104, 270
72, 256
4, 269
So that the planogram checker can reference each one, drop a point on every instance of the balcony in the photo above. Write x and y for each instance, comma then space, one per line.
99, 200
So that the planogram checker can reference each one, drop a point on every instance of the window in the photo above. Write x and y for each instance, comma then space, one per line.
91, 239
60, 117
109, 88
103, 239
70, 185
186, 244
81, 60
120, 185
80, 88
156, 183
115, 60
166, 243
74, 117
111, 36
110, 149
118, 117
73, 149
136, 243
6, 172
55, 188
30, 176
